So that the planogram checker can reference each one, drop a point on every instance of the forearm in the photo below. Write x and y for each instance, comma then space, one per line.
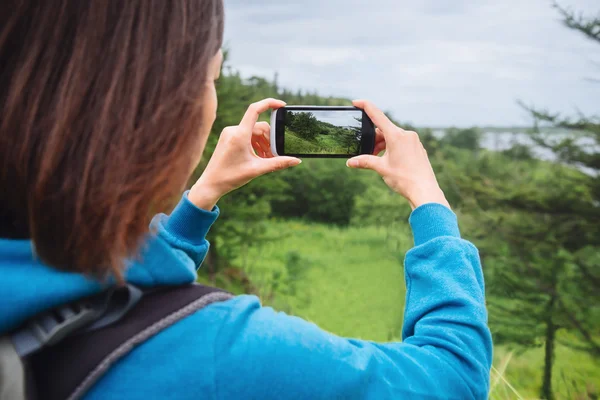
445, 303
185, 229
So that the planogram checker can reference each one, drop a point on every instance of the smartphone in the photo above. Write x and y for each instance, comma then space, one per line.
318, 131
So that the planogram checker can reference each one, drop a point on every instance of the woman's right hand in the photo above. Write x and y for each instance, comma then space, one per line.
404, 167
242, 154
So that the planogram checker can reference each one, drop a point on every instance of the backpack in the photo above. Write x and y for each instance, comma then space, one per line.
61, 353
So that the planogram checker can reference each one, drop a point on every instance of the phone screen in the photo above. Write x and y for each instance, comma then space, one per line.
325, 132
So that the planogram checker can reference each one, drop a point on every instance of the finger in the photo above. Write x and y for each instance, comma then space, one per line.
365, 162
258, 149
265, 140
379, 147
377, 116
379, 135
277, 164
254, 111
261, 134
264, 145
380, 144
260, 128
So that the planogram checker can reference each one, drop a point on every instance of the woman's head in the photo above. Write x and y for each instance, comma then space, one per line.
105, 107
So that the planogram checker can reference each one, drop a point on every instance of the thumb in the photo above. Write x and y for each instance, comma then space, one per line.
277, 163
364, 161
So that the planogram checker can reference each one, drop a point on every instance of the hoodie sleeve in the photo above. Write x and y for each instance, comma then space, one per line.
186, 228
446, 352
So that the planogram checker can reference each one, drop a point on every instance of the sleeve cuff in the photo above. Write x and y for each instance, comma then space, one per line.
433, 220
189, 222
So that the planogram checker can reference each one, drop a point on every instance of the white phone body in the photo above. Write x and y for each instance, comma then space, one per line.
273, 144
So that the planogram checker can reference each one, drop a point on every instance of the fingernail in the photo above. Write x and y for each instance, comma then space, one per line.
351, 163
295, 162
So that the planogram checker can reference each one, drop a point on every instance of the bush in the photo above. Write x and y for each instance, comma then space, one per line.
320, 191
469, 139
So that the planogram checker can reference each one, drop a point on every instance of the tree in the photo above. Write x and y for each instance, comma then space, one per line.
463, 138
540, 260
347, 138
320, 191
542, 263
304, 124
537, 284
578, 220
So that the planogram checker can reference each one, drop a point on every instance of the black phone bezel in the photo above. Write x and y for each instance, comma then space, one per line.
367, 143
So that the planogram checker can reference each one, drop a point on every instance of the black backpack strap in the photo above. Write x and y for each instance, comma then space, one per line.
52, 326
70, 368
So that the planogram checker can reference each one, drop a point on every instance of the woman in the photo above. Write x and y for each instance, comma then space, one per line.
106, 109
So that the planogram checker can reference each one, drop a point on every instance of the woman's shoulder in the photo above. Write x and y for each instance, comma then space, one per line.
183, 352
212, 348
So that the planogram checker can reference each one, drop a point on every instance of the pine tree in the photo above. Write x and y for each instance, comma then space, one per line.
578, 224
544, 276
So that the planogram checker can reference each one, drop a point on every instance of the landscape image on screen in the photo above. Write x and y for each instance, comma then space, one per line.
323, 132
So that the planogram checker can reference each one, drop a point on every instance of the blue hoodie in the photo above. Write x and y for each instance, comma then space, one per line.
240, 350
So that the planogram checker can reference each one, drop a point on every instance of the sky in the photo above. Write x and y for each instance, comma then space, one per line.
427, 62
339, 118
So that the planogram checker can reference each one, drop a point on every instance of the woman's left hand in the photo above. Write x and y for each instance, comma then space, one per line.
242, 154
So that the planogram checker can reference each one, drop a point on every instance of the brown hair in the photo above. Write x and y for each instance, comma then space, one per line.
100, 104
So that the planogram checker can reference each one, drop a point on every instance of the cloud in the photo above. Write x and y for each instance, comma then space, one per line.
339, 118
428, 62
323, 56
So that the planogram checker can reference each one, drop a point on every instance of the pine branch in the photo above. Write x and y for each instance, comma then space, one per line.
582, 123
589, 275
590, 27
587, 335
568, 150
577, 347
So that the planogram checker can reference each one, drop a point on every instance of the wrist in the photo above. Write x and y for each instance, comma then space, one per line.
204, 196
427, 195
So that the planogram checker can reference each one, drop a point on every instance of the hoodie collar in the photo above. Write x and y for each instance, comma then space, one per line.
28, 286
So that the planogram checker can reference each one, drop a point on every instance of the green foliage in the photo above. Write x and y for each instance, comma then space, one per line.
304, 124
468, 139
576, 376
296, 267
294, 144
530, 222
348, 281
590, 27
319, 190
519, 152
569, 206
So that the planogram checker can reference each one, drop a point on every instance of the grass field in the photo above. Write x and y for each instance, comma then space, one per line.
351, 282
575, 374
323, 144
